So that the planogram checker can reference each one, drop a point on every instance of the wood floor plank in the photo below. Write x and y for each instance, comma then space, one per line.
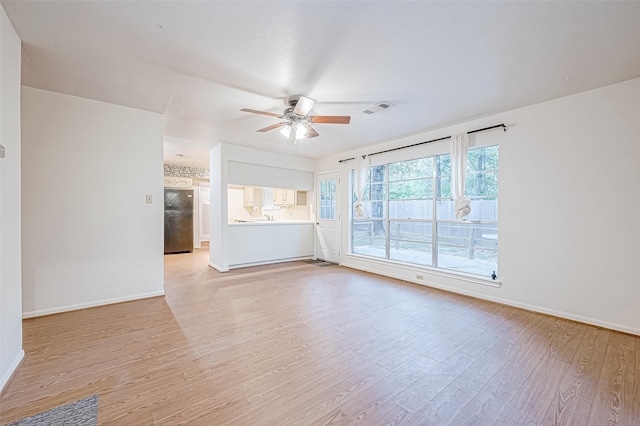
613, 402
445, 406
636, 401
567, 341
310, 406
367, 402
389, 414
334, 418
525, 359
478, 374
535, 396
596, 338
433, 382
582, 377
510, 417
486, 407
294, 343
566, 409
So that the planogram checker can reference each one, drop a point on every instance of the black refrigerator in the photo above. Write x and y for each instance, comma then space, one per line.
178, 221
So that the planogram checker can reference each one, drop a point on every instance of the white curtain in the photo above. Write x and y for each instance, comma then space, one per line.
361, 183
459, 150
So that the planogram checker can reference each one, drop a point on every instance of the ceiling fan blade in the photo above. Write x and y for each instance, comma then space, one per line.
271, 114
273, 126
330, 119
304, 105
311, 132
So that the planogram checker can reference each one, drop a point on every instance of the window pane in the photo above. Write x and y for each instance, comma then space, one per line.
468, 235
446, 209
369, 237
411, 209
480, 159
482, 262
410, 231
414, 169
482, 184
481, 209
373, 209
470, 248
443, 165
443, 187
328, 212
375, 192
418, 189
411, 252
377, 174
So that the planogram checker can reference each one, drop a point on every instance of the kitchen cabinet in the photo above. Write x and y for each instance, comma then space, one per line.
252, 196
284, 197
177, 182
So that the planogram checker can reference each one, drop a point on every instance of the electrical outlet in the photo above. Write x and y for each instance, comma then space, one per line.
419, 277
149, 199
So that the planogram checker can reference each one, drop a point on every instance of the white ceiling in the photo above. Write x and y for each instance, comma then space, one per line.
440, 63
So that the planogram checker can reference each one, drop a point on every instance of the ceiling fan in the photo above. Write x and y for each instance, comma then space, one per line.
298, 123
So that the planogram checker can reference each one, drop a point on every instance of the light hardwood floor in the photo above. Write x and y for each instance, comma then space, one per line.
296, 343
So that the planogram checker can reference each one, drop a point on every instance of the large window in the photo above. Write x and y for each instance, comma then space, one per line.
410, 216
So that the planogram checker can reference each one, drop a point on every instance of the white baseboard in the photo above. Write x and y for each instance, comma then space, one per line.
269, 262
93, 304
218, 268
12, 369
535, 308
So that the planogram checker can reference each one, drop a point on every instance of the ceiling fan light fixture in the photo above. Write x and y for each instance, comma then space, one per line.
300, 131
286, 131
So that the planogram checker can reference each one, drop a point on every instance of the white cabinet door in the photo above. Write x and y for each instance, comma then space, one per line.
248, 196
278, 196
284, 197
252, 196
177, 182
289, 198
182, 182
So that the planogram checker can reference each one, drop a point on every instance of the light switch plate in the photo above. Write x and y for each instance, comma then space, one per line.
149, 199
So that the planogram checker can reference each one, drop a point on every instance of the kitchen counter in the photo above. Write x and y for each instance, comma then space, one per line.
269, 222
269, 241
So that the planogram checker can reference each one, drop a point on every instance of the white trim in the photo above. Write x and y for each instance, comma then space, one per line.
11, 370
268, 262
529, 307
75, 307
421, 268
218, 268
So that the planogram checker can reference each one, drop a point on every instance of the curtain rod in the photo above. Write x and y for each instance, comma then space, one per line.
503, 126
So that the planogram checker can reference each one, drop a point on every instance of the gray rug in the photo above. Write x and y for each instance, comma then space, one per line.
79, 413
320, 263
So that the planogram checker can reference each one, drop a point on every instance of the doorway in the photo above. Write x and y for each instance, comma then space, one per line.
328, 217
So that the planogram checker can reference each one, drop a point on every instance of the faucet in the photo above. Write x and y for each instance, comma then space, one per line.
268, 217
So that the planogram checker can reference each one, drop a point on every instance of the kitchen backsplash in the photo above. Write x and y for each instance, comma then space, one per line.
185, 171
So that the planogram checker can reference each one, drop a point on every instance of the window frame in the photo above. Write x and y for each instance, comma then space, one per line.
436, 195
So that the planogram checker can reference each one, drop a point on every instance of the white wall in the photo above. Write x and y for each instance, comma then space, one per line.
569, 234
88, 237
11, 352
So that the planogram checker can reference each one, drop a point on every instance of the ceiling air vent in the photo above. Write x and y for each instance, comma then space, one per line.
378, 107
